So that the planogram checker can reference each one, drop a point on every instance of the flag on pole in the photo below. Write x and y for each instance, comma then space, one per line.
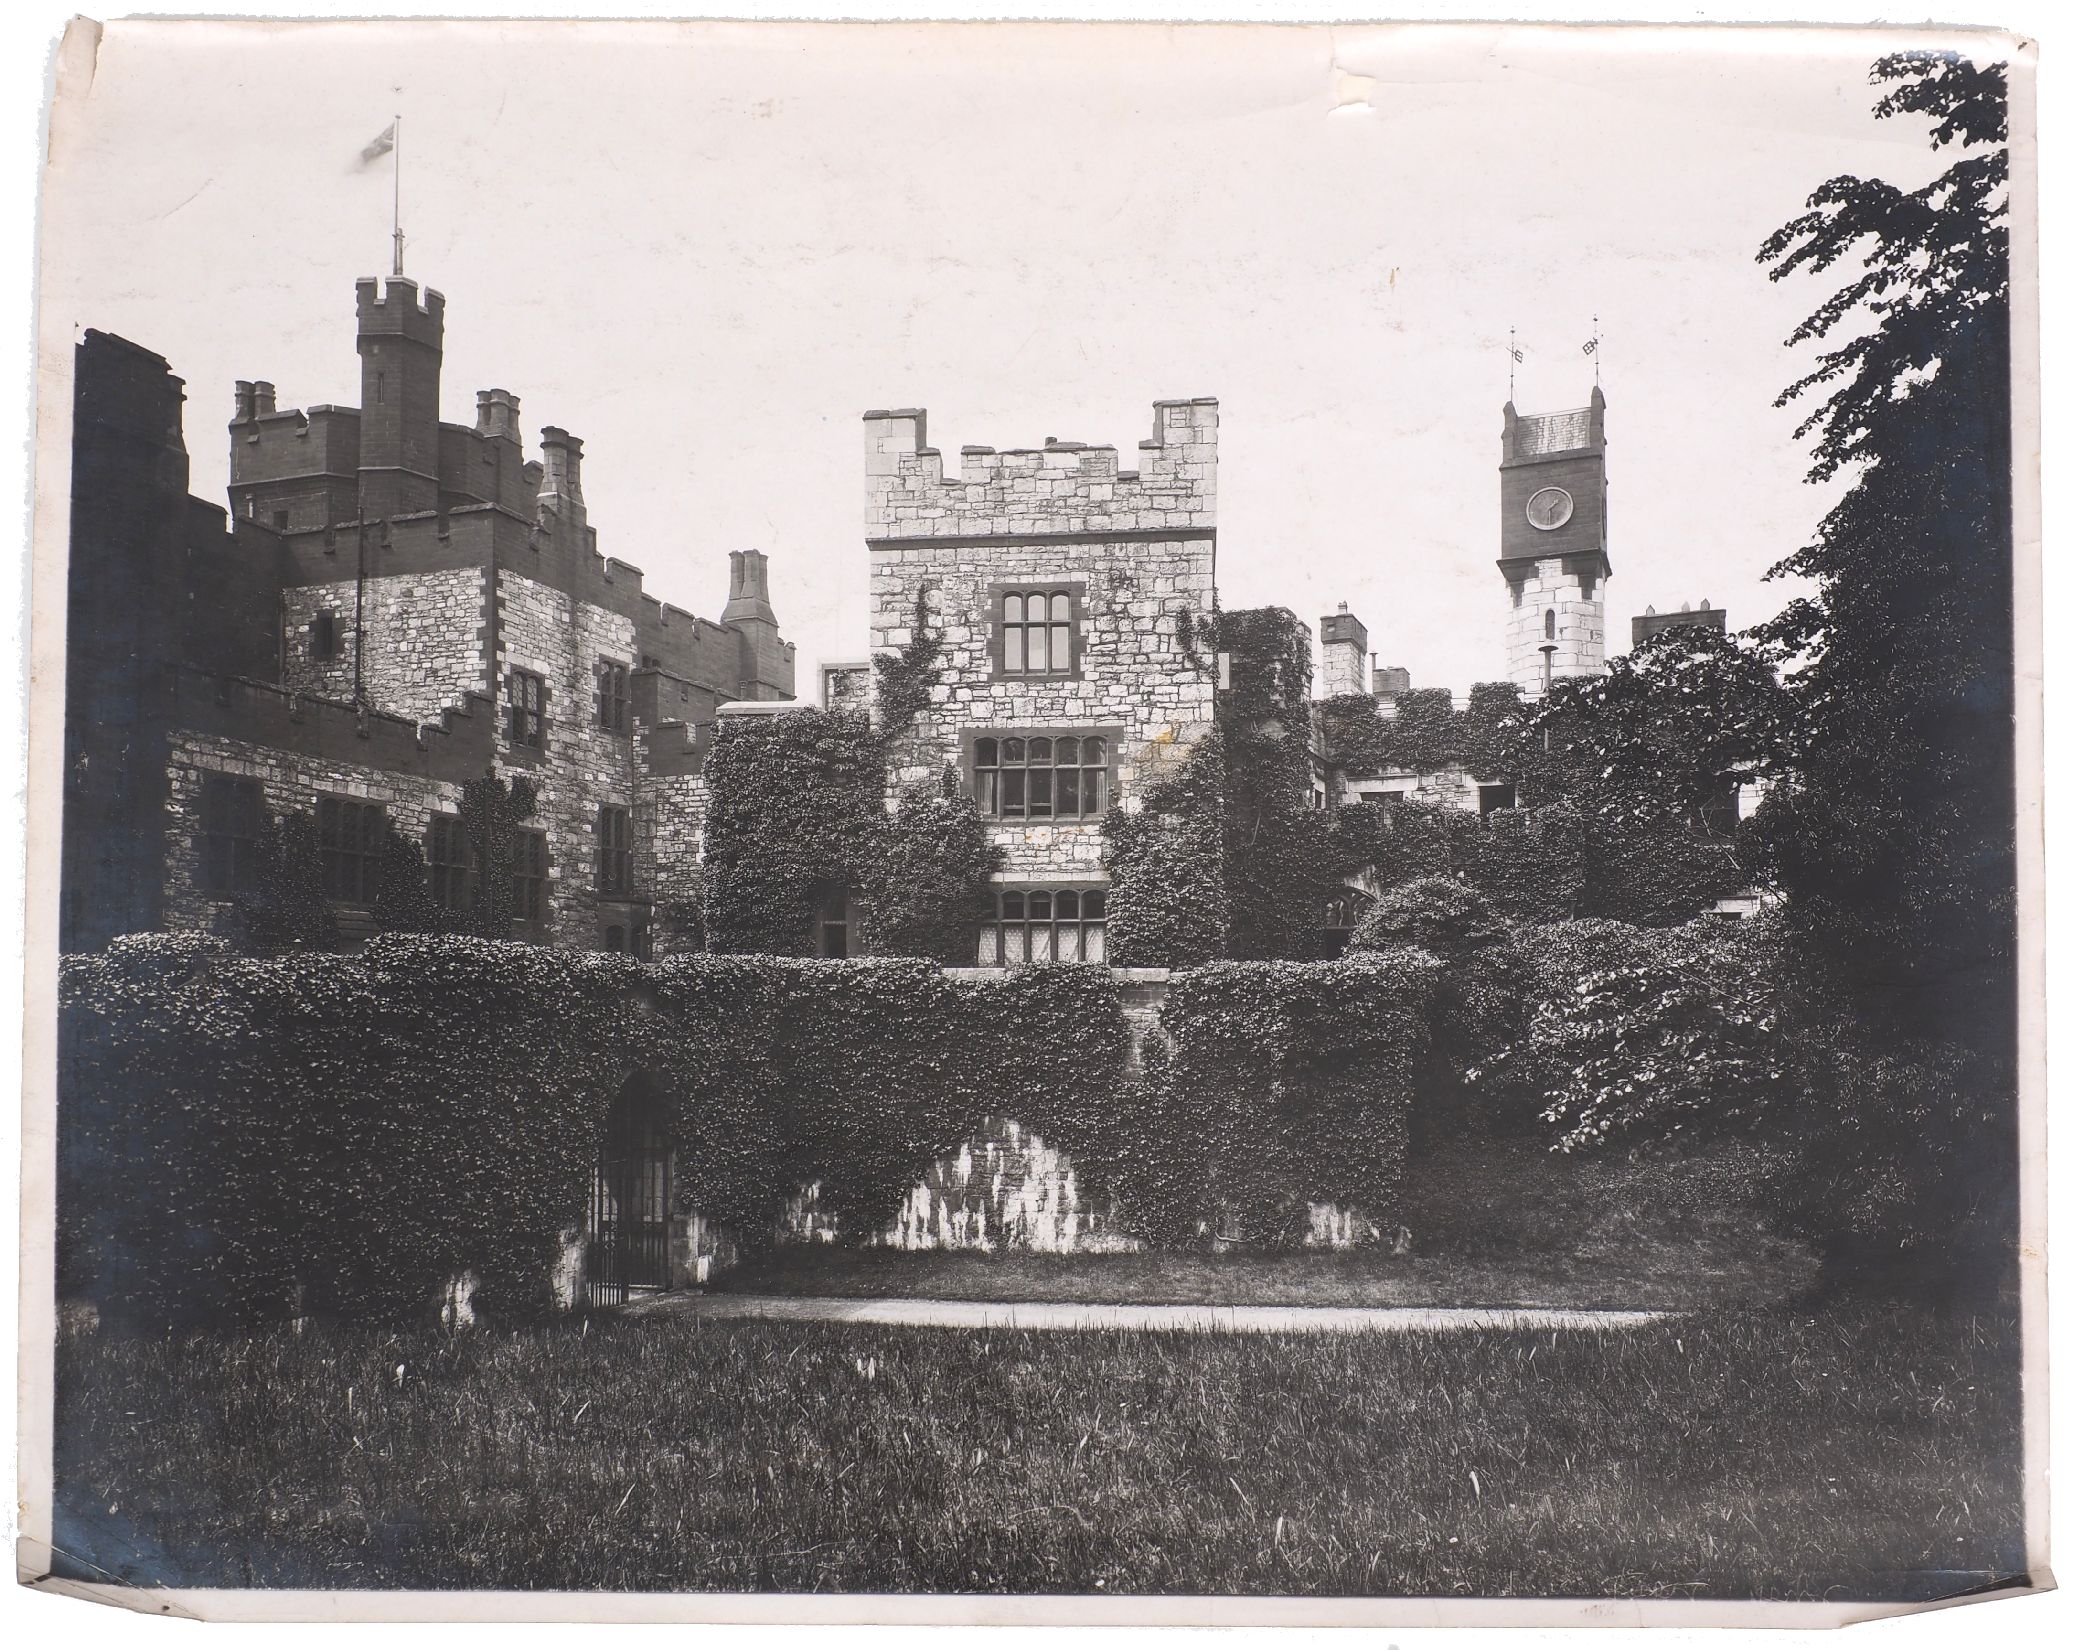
380, 146
1517, 353
1591, 348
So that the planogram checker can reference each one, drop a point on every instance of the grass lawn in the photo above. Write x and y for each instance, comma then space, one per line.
1860, 1454
1505, 1224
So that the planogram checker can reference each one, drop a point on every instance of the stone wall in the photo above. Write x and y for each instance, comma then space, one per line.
669, 847
1450, 787
847, 687
546, 631
424, 640
291, 782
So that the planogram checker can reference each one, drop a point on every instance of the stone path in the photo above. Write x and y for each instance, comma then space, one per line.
1275, 1320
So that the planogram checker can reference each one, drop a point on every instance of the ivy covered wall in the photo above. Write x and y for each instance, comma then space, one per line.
245, 1138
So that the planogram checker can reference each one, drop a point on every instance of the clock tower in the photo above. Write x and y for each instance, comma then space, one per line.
1551, 550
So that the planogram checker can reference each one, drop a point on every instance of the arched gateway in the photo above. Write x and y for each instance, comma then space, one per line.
630, 1198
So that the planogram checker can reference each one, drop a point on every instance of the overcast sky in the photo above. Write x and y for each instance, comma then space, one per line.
706, 250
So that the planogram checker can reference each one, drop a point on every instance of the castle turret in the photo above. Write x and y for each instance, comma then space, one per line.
1552, 543
401, 341
1345, 642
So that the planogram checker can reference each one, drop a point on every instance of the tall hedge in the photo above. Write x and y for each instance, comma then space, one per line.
1295, 1082
232, 1129
243, 1137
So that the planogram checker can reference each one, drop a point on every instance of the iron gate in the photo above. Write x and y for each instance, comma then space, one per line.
629, 1203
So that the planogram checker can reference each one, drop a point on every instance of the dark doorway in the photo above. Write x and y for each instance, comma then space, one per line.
629, 1199
834, 938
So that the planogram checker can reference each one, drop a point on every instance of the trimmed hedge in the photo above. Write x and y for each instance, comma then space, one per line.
363, 1127
244, 1138
1292, 1084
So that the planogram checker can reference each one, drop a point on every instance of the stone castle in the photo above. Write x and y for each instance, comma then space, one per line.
393, 604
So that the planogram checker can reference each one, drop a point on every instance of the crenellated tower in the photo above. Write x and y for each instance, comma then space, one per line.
401, 342
1552, 543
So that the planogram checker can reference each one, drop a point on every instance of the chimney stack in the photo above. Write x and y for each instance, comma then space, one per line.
1345, 653
562, 467
496, 414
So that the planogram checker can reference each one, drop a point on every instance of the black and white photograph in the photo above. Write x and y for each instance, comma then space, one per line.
1199, 823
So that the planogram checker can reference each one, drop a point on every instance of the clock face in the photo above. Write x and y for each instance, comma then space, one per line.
1549, 508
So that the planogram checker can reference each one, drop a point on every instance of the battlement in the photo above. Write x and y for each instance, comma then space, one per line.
397, 310
457, 748
293, 443
1062, 487
1529, 437
661, 615
1652, 623
126, 389
672, 748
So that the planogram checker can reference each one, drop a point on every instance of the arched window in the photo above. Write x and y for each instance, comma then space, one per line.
1342, 914
1550, 624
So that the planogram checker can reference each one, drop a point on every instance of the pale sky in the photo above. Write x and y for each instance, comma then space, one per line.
707, 249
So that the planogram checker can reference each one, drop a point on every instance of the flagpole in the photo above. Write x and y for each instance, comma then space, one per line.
1511, 365
396, 200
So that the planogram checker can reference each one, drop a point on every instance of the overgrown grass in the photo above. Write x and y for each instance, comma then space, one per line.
1503, 1223
1728, 1455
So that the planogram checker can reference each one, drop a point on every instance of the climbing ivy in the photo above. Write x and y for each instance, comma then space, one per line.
929, 867
245, 1137
904, 679
492, 812
794, 805
1295, 1083
1168, 906
287, 910
797, 817
1280, 858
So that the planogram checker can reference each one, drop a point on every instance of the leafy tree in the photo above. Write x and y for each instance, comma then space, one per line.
492, 812
1683, 1033
288, 911
1873, 1043
1661, 737
1895, 835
